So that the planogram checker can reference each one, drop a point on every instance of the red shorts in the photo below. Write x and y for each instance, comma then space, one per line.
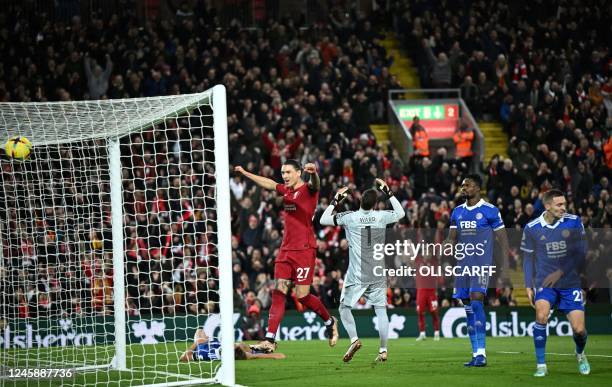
295, 265
426, 300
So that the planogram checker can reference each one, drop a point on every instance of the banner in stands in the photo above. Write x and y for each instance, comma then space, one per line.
83, 332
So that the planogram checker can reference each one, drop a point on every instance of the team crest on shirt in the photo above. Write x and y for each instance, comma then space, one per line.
565, 233
479, 216
542, 238
296, 194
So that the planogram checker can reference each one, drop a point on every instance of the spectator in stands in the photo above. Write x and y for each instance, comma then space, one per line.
463, 139
97, 79
305, 93
420, 138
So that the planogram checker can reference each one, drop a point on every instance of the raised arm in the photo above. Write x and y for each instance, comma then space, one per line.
398, 211
315, 182
108, 68
327, 218
261, 181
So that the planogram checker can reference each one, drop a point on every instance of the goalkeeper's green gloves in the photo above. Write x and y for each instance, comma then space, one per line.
383, 187
340, 196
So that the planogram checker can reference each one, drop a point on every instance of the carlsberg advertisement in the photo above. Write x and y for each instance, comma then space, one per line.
80, 332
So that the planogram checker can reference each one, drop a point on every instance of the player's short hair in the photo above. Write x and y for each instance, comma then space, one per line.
294, 163
550, 195
368, 199
475, 178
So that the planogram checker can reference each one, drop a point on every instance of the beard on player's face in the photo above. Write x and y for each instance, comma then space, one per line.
469, 190
467, 195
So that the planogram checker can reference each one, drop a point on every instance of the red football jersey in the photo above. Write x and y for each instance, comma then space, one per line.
300, 205
431, 281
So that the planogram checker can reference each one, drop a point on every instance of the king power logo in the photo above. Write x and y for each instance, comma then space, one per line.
454, 324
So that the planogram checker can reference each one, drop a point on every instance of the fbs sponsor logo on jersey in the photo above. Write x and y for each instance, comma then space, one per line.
454, 325
467, 224
147, 331
32, 337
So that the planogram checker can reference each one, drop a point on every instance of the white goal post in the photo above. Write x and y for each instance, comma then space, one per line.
115, 239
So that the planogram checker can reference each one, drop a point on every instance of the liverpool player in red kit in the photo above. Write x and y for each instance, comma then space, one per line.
295, 263
427, 298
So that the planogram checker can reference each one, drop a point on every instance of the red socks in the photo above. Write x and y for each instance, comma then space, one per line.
315, 304
421, 315
435, 316
277, 311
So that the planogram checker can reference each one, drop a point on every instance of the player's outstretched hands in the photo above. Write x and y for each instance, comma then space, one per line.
239, 169
340, 196
310, 168
383, 187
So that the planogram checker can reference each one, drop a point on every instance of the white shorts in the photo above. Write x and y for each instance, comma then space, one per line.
375, 294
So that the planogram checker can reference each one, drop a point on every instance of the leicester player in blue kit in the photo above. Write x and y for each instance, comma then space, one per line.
554, 244
473, 226
205, 349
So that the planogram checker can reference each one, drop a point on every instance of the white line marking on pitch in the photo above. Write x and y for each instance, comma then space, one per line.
573, 354
554, 353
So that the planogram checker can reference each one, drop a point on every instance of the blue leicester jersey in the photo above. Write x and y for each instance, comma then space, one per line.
551, 247
210, 350
475, 238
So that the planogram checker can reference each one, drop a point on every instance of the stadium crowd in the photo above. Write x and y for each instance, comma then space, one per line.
308, 94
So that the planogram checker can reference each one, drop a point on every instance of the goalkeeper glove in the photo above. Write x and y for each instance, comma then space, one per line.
383, 187
340, 196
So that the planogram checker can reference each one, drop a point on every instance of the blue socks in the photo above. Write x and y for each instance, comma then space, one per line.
580, 341
539, 341
480, 326
470, 326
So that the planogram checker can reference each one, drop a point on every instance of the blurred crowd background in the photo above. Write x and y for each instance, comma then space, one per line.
307, 88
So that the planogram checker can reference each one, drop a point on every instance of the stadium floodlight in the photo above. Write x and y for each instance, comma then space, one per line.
115, 240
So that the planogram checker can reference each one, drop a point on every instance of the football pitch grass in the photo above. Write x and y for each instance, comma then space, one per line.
429, 363
314, 363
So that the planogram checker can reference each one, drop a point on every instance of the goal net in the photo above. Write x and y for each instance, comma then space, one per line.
115, 241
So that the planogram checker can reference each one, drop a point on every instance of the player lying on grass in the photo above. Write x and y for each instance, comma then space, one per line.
554, 244
204, 349
295, 263
366, 225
